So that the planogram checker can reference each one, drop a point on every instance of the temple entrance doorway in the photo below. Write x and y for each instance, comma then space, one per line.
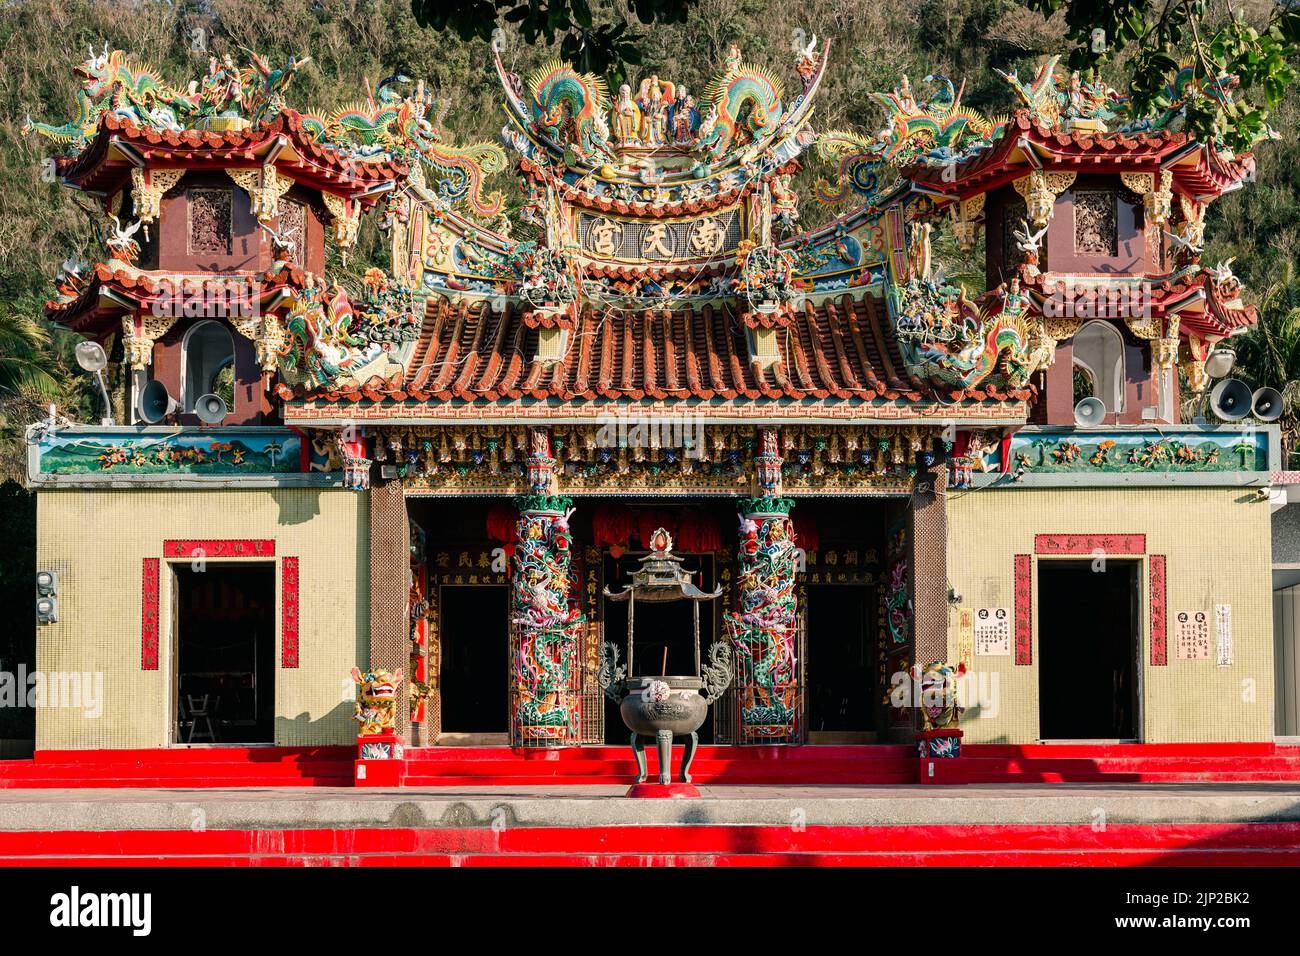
225, 652
1088, 650
475, 649
841, 677
850, 552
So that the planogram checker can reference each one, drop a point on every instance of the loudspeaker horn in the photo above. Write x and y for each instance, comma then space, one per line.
155, 404
1267, 404
1089, 412
211, 409
1230, 400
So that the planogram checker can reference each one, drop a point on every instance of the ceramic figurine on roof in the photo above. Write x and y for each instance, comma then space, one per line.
658, 196
1053, 100
113, 83
654, 133
1088, 103
935, 132
568, 108
390, 125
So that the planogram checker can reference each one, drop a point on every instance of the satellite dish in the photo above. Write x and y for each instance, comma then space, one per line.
90, 356
1267, 404
1089, 412
211, 409
155, 404
1230, 400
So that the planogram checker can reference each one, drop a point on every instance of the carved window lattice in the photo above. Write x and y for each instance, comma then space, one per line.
293, 227
1096, 222
210, 221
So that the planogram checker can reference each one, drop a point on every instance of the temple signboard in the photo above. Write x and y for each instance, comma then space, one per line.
659, 240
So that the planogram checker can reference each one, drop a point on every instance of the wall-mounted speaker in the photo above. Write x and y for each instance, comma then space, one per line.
1231, 399
155, 403
1090, 412
211, 409
1267, 404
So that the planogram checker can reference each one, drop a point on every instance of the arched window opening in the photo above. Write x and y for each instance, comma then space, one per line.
1098, 352
209, 363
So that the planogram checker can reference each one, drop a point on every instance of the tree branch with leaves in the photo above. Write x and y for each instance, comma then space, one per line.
1230, 73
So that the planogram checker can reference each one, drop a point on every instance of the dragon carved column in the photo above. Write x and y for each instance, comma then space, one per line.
928, 563
545, 622
764, 629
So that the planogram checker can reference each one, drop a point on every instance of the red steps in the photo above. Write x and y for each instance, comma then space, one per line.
865, 765
1262, 844
1129, 763
812, 765
183, 767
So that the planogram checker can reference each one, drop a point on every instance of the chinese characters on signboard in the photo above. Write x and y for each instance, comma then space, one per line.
993, 632
1192, 635
659, 240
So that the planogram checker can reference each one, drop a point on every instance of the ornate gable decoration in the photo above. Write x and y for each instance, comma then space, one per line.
654, 192
391, 134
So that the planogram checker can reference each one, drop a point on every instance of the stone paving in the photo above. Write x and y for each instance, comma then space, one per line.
280, 808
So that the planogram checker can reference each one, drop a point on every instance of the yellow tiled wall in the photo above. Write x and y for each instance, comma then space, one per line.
97, 542
1217, 545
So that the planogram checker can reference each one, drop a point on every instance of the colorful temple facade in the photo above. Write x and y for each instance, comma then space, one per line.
434, 474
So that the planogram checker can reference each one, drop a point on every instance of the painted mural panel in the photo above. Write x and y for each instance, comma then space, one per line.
1174, 450
150, 453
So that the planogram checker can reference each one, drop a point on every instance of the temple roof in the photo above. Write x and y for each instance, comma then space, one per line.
120, 144
1207, 302
107, 291
841, 353
1028, 143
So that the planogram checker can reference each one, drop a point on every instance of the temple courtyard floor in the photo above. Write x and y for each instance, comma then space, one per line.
1235, 824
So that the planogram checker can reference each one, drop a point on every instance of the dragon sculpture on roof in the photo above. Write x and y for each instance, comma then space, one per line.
389, 125
569, 109
1053, 98
936, 131
114, 82
744, 106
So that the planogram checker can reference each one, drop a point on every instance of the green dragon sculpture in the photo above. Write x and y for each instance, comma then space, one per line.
745, 104
113, 82
946, 340
408, 128
569, 108
937, 131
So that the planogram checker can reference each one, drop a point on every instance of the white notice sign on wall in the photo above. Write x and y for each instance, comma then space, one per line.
1192, 634
1223, 634
993, 632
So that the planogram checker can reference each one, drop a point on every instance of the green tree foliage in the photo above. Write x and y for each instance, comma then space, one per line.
1215, 42
590, 41
1270, 353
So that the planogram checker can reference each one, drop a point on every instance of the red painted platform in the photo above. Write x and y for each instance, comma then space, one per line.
1263, 844
608, 765
184, 767
471, 766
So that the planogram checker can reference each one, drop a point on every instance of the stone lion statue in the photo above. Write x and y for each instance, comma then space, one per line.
376, 710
